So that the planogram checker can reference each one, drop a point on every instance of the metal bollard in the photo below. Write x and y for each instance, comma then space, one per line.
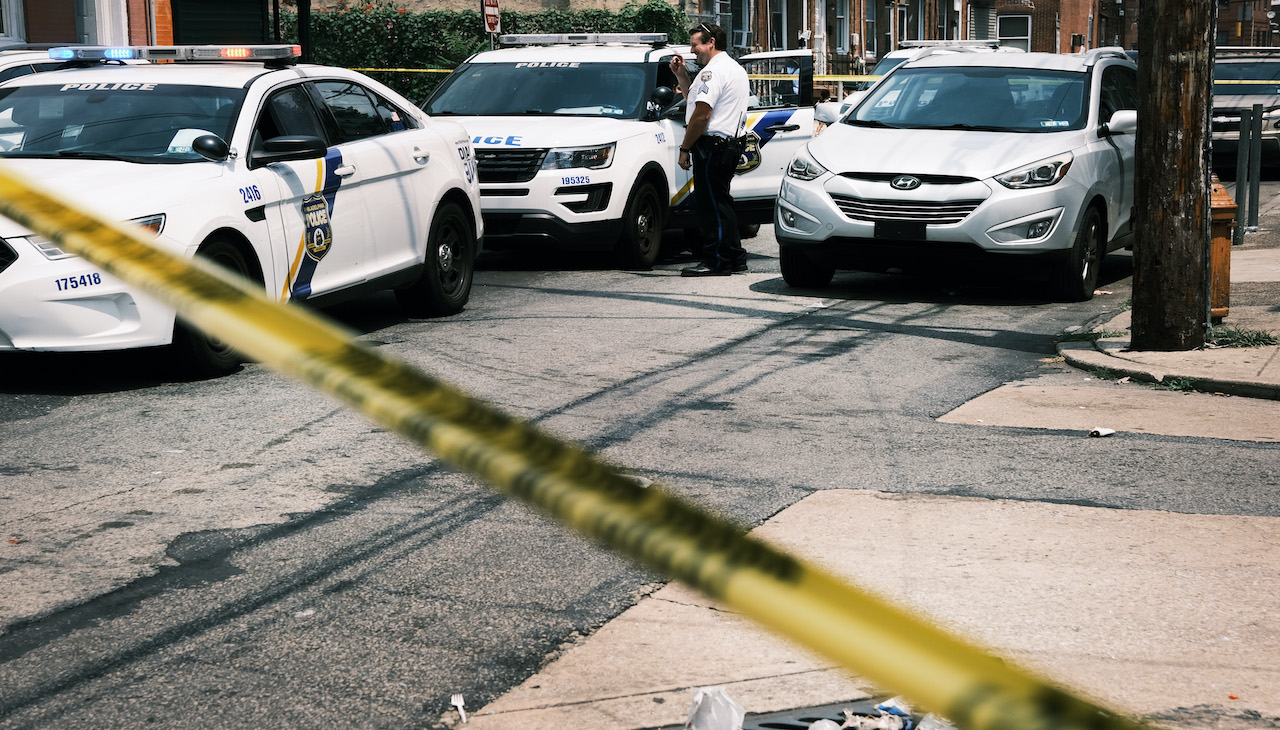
1222, 217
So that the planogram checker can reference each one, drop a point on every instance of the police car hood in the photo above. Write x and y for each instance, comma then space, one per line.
560, 130
115, 190
979, 155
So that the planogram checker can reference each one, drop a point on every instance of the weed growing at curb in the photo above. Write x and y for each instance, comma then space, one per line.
1178, 384
1090, 336
1105, 373
1229, 336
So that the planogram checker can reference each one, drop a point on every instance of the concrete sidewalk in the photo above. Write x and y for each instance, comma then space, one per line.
1110, 603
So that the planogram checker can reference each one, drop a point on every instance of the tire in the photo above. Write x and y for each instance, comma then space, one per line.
1078, 277
748, 230
445, 284
198, 353
800, 271
641, 238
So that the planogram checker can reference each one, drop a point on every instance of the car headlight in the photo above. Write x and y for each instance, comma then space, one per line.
1038, 174
152, 224
594, 158
804, 167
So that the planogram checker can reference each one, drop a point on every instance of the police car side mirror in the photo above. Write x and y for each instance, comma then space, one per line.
288, 148
664, 95
211, 147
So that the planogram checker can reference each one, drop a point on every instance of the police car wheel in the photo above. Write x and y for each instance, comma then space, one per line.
202, 355
445, 284
748, 230
642, 224
801, 271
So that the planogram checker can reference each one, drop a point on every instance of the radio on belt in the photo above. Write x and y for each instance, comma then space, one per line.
285, 53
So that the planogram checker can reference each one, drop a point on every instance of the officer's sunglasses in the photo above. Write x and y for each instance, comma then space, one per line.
706, 32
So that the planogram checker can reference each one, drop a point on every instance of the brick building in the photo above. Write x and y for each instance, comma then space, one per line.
139, 22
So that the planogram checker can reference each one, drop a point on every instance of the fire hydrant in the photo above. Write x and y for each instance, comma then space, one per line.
1222, 219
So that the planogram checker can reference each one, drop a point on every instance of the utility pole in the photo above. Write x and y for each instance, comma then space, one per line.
1171, 195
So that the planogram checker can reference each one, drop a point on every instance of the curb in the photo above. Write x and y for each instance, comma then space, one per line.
1088, 356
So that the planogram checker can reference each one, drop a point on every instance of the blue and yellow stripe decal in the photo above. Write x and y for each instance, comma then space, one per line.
758, 124
305, 260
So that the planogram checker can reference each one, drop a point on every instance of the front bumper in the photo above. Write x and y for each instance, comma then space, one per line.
70, 305
576, 207
807, 215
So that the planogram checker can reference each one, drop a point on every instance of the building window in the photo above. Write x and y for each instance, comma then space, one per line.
870, 41
741, 12
11, 20
842, 26
1014, 30
778, 25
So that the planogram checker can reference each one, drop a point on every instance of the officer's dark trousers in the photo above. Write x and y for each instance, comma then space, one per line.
714, 160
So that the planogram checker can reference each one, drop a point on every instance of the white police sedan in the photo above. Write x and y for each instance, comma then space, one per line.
316, 182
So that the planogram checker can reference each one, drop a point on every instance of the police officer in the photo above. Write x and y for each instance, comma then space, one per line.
715, 120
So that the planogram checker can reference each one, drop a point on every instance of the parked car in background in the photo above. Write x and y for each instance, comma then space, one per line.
316, 182
1243, 77
976, 158
907, 49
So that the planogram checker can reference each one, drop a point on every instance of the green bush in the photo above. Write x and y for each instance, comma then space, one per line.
382, 35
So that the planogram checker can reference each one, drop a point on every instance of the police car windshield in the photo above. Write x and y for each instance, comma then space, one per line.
132, 121
615, 90
986, 99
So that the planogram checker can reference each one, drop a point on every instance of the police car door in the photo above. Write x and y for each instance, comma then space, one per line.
779, 121
319, 223
670, 136
386, 162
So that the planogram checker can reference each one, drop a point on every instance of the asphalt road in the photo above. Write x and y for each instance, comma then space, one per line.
244, 553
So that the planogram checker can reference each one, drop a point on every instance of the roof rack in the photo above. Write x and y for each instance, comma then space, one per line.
992, 43
657, 40
1093, 55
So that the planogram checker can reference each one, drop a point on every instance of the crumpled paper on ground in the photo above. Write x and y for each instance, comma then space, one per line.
713, 709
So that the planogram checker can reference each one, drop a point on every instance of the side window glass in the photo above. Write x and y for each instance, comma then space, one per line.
392, 116
15, 72
353, 110
289, 112
1128, 88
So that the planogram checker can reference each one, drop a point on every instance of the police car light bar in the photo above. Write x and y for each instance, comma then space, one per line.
176, 53
535, 39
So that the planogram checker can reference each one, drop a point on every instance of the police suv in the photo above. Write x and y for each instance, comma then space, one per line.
577, 138
316, 182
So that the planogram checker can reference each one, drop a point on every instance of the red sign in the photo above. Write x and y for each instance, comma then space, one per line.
491, 21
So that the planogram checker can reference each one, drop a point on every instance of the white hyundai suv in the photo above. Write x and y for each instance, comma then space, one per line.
970, 158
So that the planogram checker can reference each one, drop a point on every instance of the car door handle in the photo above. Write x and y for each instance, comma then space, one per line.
420, 156
345, 171
782, 128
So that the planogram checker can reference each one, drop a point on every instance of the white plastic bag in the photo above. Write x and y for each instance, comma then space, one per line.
712, 709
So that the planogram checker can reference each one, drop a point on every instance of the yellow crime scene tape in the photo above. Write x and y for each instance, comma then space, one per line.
409, 70
662, 531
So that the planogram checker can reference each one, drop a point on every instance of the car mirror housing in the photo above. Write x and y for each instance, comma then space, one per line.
289, 148
211, 147
1124, 121
827, 112
664, 95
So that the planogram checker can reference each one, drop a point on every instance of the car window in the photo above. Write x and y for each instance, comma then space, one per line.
1264, 70
14, 72
148, 122
994, 99
780, 82
352, 109
287, 112
1119, 91
616, 90
393, 116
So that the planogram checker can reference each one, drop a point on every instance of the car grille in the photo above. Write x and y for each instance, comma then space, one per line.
7, 255
508, 166
926, 211
927, 179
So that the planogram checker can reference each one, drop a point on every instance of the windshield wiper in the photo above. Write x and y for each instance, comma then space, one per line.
87, 155
967, 127
869, 123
